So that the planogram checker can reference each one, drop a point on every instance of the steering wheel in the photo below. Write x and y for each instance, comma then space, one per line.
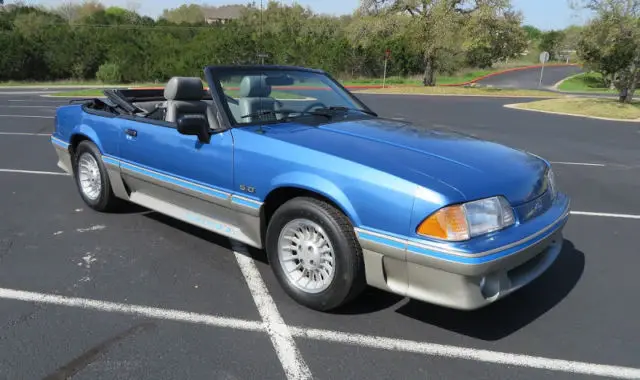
312, 105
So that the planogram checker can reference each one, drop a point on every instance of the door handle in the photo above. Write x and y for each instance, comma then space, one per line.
131, 132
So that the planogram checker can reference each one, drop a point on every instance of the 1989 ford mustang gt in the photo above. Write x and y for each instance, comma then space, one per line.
286, 159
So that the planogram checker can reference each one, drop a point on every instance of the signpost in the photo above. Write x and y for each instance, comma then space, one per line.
262, 56
387, 55
544, 58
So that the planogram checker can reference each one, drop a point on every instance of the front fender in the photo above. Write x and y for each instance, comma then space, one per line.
320, 185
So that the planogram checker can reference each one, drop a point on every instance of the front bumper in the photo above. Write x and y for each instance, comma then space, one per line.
465, 282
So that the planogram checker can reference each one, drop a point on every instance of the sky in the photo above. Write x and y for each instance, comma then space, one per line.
543, 14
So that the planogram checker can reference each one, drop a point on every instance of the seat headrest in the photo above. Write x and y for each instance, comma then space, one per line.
254, 87
184, 88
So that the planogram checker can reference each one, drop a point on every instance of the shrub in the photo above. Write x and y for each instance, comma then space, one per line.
109, 73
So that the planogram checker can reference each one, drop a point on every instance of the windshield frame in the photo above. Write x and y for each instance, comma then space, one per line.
214, 73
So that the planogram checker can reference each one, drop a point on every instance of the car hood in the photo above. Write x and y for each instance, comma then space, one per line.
474, 168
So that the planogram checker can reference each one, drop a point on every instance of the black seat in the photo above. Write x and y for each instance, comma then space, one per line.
184, 97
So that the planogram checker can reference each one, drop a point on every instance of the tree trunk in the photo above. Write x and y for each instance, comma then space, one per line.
607, 79
630, 89
429, 78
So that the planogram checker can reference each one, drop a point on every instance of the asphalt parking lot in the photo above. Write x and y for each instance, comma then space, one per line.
137, 295
530, 78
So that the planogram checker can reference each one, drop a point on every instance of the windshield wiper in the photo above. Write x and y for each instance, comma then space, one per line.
343, 109
275, 112
327, 112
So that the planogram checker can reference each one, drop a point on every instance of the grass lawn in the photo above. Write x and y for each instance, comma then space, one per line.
98, 93
585, 82
604, 108
74, 83
462, 91
461, 77
80, 93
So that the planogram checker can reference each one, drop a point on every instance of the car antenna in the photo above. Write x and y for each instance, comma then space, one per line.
261, 54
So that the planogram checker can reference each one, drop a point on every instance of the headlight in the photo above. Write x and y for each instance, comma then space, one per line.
551, 181
467, 220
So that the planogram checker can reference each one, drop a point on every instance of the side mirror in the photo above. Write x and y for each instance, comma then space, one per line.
195, 125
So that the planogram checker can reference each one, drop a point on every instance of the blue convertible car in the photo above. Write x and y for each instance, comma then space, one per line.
286, 159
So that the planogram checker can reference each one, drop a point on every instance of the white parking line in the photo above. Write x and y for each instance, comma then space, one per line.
290, 357
607, 215
1, 106
31, 172
36, 101
361, 340
577, 163
28, 116
24, 134
473, 354
144, 311
4, 93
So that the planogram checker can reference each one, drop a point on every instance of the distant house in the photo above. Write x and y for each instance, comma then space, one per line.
222, 14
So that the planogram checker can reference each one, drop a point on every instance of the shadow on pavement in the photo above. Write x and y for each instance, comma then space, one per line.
491, 323
370, 301
130, 208
515, 311
203, 234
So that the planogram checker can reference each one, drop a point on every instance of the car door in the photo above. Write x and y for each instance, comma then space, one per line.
178, 175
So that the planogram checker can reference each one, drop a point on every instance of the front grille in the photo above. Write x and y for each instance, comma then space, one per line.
534, 208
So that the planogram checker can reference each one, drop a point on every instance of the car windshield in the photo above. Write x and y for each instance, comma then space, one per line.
253, 96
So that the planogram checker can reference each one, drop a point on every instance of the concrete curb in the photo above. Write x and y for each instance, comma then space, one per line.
556, 86
465, 95
509, 71
516, 106
72, 97
62, 87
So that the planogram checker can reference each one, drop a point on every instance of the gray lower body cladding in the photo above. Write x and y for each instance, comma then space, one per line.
456, 285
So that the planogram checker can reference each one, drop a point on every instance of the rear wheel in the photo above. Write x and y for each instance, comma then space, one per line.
314, 254
92, 179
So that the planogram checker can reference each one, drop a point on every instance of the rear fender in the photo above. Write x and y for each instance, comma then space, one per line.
86, 132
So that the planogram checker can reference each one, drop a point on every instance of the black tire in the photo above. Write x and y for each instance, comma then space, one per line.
349, 278
106, 201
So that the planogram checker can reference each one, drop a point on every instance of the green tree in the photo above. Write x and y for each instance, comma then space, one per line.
610, 44
438, 28
572, 37
189, 14
532, 32
551, 42
491, 39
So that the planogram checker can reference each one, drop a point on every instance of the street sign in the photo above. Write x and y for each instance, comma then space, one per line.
387, 55
544, 57
262, 56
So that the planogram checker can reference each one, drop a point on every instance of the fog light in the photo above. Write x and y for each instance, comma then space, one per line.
490, 286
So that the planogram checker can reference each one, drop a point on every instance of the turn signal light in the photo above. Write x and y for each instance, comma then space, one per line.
467, 220
449, 223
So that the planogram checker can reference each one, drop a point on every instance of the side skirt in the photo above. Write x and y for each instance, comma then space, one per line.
194, 218
229, 215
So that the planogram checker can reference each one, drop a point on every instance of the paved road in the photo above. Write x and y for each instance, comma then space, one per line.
530, 78
584, 309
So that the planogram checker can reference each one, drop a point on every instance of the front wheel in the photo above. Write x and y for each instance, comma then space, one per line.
314, 254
